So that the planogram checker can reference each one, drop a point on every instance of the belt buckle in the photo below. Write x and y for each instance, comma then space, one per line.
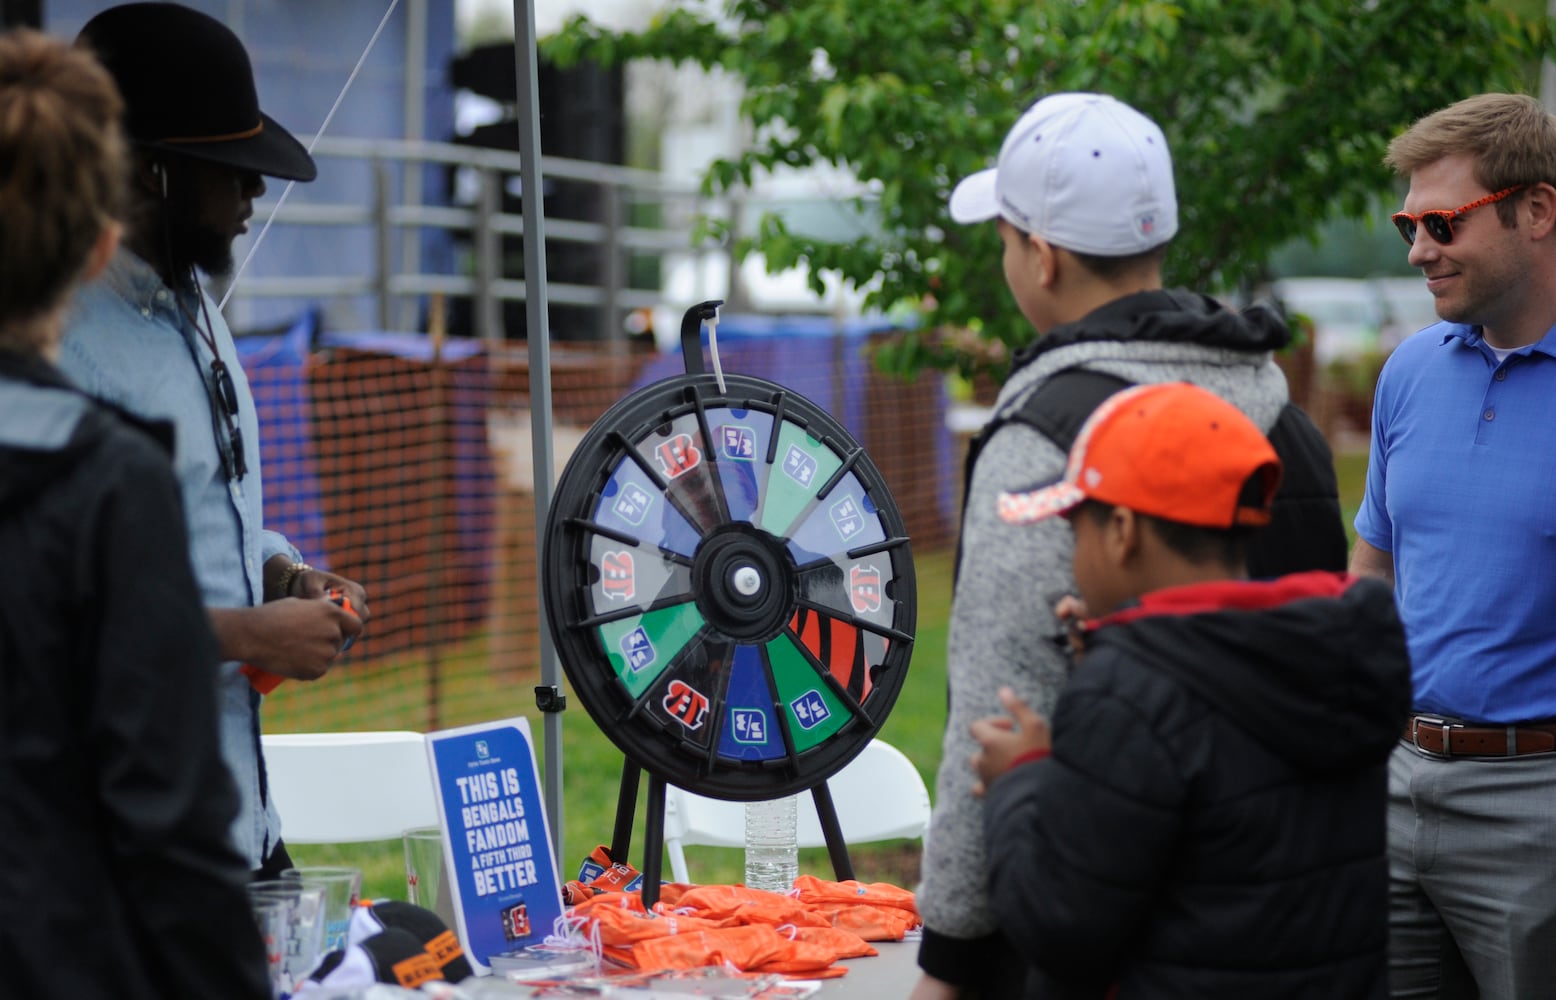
1442, 725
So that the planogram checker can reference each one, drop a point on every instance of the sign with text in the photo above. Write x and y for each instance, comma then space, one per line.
495, 836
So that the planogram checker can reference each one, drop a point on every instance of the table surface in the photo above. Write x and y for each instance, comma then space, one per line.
887, 976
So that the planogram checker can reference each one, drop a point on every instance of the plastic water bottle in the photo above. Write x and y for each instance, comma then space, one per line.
772, 849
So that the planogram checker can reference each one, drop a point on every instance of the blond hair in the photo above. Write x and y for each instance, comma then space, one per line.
1510, 137
63, 171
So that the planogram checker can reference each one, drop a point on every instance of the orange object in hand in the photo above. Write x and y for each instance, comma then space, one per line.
338, 596
264, 681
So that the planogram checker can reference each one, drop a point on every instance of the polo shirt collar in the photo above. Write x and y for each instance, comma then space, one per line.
1471, 337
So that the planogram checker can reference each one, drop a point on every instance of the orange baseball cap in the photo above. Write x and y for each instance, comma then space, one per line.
1170, 450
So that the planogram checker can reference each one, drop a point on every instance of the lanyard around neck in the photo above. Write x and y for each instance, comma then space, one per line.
220, 390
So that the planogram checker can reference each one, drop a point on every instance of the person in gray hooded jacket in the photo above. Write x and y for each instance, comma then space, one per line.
1085, 205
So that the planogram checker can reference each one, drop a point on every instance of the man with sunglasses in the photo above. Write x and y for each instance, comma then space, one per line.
1458, 515
147, 338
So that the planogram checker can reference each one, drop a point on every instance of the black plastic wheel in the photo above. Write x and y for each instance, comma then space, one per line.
730, 586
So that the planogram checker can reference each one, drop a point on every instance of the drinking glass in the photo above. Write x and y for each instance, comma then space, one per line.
304, 923
342, 891
270, 915
426, 872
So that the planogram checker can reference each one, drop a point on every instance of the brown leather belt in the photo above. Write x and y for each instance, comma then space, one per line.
1448, 738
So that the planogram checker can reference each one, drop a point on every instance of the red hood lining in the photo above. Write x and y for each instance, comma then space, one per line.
1230, 595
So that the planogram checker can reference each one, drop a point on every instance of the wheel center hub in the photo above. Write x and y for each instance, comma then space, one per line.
743, 580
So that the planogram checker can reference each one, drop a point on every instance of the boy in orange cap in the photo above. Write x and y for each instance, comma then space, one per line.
1208, 820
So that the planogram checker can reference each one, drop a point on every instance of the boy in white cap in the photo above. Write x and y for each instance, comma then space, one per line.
1084, 202
1208, 819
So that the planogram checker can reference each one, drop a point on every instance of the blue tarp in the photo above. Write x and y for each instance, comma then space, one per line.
818, 357
277, 372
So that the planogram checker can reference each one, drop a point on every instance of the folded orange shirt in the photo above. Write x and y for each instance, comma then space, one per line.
804, 934
843, 944
622, 928
810, 889
736, 904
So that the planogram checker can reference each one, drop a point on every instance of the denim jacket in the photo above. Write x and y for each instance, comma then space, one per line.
128, 341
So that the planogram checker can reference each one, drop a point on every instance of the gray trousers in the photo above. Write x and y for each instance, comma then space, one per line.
1472, 877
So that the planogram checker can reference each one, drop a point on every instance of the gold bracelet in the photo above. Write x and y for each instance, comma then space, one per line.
289, 576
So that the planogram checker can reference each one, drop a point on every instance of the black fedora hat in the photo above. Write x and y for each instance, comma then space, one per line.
188, 88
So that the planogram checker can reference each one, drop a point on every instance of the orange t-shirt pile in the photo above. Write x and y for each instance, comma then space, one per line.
803, 933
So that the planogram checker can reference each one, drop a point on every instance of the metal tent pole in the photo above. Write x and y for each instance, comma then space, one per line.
539, 336
416, 14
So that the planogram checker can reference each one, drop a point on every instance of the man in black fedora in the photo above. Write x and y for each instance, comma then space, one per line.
148, 338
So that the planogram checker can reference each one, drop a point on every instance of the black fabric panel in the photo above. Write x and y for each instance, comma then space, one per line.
1306, 531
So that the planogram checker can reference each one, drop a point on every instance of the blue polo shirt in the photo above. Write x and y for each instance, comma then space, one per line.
1461, 488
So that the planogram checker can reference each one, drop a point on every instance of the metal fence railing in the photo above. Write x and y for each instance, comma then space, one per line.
637, 216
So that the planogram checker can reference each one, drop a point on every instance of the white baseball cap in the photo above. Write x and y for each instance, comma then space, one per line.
1084, 171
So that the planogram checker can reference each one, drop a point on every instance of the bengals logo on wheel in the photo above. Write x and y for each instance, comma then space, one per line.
678, 456
864, 589
686, 705
617, 576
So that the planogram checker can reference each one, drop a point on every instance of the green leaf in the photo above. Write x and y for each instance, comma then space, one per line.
1278, 113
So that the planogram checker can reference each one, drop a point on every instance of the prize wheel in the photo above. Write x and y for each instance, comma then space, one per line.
730, 586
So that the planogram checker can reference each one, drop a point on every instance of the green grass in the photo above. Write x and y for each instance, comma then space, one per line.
592, 768
1351, 468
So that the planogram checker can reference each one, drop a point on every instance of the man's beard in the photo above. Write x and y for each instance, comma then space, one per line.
199, 246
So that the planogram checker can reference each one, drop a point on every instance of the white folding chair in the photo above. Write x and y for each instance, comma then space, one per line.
344, 788
879, 795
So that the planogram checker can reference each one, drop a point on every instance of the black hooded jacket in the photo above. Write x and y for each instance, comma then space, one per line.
117, 876
1167, 315
1211, 822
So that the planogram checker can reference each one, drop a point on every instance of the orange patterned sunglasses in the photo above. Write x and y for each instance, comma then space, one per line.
1439, 222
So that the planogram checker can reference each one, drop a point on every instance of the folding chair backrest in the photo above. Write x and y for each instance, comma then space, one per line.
879, 795
343, 788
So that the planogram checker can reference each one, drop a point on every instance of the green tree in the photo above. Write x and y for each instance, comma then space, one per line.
1278, 112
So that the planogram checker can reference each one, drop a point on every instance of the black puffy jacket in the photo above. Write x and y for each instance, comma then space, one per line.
117, 875
1211, 822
